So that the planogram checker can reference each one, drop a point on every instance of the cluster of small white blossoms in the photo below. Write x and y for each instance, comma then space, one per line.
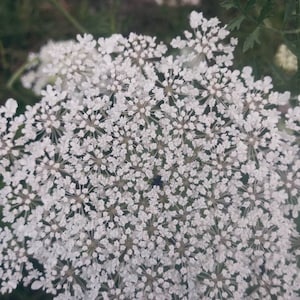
37, 77
147, 175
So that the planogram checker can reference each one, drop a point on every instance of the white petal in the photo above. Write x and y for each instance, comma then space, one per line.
195, 19
36, 285
11, 106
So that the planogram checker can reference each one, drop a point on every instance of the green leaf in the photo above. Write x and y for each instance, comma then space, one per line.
252, 39
236, 23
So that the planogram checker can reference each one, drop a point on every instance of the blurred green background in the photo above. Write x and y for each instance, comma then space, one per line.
261, 26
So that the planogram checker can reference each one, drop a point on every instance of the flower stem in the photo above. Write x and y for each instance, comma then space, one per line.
291, 31
19, 72
66, 14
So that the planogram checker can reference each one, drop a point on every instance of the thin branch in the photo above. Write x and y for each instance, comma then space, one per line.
66, 14
19, 73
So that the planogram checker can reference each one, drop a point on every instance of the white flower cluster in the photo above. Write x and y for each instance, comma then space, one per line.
38, 75
144, 175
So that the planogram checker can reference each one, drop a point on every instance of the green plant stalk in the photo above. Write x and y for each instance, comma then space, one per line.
19, 72
113, 19
292, 31
71, 19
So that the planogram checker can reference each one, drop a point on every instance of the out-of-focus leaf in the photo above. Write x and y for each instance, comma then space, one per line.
252, 39
236, 23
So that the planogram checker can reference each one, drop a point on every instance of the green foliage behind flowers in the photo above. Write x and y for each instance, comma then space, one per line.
262, 26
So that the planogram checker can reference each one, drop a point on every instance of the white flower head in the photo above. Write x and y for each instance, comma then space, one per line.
195, 19
145, 175
10, 107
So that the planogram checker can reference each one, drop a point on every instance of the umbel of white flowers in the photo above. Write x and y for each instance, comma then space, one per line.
146, 175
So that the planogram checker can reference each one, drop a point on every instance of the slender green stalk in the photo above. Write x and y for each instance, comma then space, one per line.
66, 14
19, 72
292, 31
114, 5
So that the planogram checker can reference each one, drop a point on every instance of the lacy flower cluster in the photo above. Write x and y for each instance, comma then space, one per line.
150, 172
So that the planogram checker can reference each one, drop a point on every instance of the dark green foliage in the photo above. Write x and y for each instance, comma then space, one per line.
251, 39
261, 27
236, 23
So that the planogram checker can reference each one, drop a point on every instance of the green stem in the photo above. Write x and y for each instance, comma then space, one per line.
292, 31
19, 72
114, 5
66, 14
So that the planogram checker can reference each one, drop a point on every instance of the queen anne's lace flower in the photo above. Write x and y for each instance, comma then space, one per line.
141, 175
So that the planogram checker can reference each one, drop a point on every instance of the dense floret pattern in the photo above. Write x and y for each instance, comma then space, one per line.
150, 173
